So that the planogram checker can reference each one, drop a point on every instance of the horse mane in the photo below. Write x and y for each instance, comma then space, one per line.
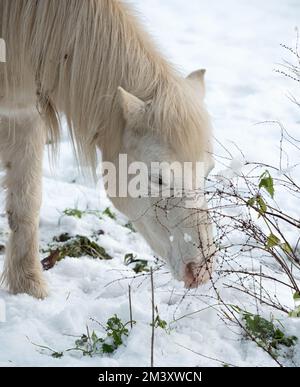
78, 53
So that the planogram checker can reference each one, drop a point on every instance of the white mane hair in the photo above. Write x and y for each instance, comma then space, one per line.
79, 53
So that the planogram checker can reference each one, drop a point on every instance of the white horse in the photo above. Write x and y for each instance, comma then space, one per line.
76, 58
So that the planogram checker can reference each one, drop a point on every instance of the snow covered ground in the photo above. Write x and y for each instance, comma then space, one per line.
238, 41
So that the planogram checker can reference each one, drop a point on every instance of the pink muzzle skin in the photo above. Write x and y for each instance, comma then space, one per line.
197, 274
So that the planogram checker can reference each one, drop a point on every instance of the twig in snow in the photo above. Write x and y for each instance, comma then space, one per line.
153, 318
130, 306
224, 363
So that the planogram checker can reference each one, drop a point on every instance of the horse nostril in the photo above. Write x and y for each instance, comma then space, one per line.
196, 274
189, 278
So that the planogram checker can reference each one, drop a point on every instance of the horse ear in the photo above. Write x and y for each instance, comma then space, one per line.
198, 75
198, 80
130, 104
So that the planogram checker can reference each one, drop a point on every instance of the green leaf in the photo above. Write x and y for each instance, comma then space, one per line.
296, 296
267, 182
57, 355
82, 341
141, 265
236, 308
130, 227
262, 205
251, 202
287, 248
107, 348
73, 212
273, 241
94, 337
266, 333
129, 258
159, 323
79, 246
295, 313
109, 213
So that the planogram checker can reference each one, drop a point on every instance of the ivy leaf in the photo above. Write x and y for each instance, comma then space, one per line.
107, 348
267, 182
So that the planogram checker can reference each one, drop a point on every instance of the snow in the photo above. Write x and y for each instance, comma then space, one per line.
239, 44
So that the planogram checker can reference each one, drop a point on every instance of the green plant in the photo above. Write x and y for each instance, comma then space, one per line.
74, 247
246, 205
141, 265
267, 183
54, 354
109, 213
62, 238
82, 245
258, 203
115, 329
57, 355
159, 323
296, 312
267, 334
73, 212
91, 344
130, 227
79, 214
273, 241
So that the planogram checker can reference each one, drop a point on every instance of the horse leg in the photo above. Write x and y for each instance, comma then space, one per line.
22, 141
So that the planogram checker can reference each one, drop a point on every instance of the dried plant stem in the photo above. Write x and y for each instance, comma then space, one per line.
153, 318
130, 307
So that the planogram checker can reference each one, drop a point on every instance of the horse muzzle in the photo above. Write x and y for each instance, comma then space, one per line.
196, 274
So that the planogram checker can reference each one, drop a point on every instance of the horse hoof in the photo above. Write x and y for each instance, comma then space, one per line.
34, 286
